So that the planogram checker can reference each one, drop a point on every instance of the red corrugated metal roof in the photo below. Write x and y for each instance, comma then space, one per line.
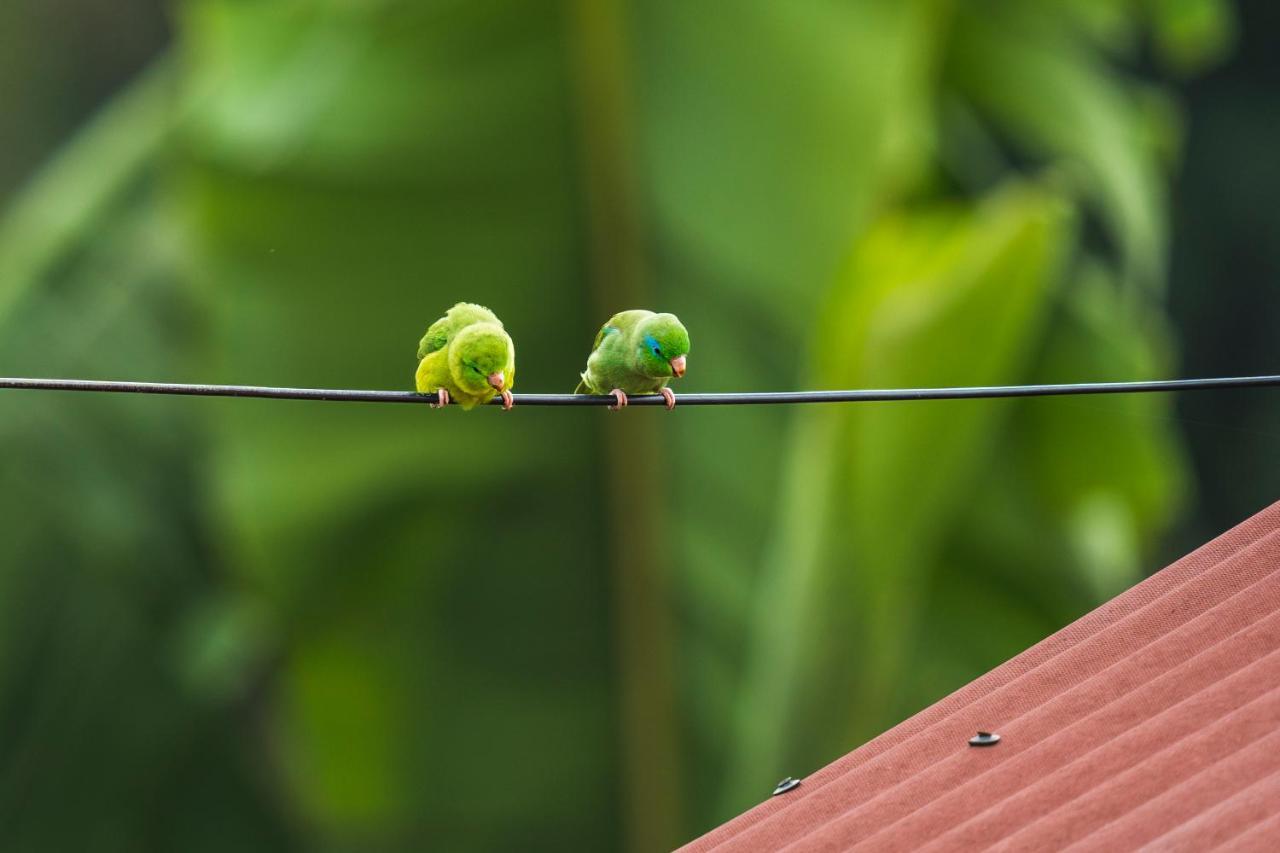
1153, 720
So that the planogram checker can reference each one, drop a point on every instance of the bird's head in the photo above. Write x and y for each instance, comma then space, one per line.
663, 346
479, 356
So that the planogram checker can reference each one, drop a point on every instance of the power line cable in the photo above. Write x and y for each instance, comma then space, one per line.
713, 399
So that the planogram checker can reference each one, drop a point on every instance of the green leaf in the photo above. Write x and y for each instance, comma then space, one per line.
872, 488
1059, 101
1109, 470
106, 554
1191, 35
75, 190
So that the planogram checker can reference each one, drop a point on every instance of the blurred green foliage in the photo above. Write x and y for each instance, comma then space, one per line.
262, 625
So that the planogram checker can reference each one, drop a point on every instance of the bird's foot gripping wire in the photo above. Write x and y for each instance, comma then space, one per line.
442, 399
670, 397
507, 400
621, 397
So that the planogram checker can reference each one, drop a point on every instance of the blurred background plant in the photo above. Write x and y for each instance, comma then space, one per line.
271, 625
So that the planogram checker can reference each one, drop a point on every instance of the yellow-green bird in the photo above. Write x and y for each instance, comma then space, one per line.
466, 356
636, 352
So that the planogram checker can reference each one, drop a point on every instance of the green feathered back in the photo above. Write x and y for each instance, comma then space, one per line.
622, 355
456, 318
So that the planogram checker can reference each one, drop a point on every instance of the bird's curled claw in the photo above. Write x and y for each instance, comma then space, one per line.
621, 397
670, 397
442, 399
507, 401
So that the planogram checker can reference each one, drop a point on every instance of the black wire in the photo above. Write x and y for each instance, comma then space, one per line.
767, 397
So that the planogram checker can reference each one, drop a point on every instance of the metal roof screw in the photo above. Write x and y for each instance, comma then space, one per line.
785, 785
984, 739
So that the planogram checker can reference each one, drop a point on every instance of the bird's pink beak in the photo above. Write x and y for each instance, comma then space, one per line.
497, 381
677, 365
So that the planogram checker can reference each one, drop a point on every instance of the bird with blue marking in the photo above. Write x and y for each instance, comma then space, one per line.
636, 352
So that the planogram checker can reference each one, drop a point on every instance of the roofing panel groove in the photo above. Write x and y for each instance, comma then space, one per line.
1224, 821
1065, 823
1063, 715
1259, 838
1122, 745
1227, 776
1138, 722
1061, 761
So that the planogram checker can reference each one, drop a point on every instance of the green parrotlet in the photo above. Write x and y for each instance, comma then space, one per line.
466, 356
636, 352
